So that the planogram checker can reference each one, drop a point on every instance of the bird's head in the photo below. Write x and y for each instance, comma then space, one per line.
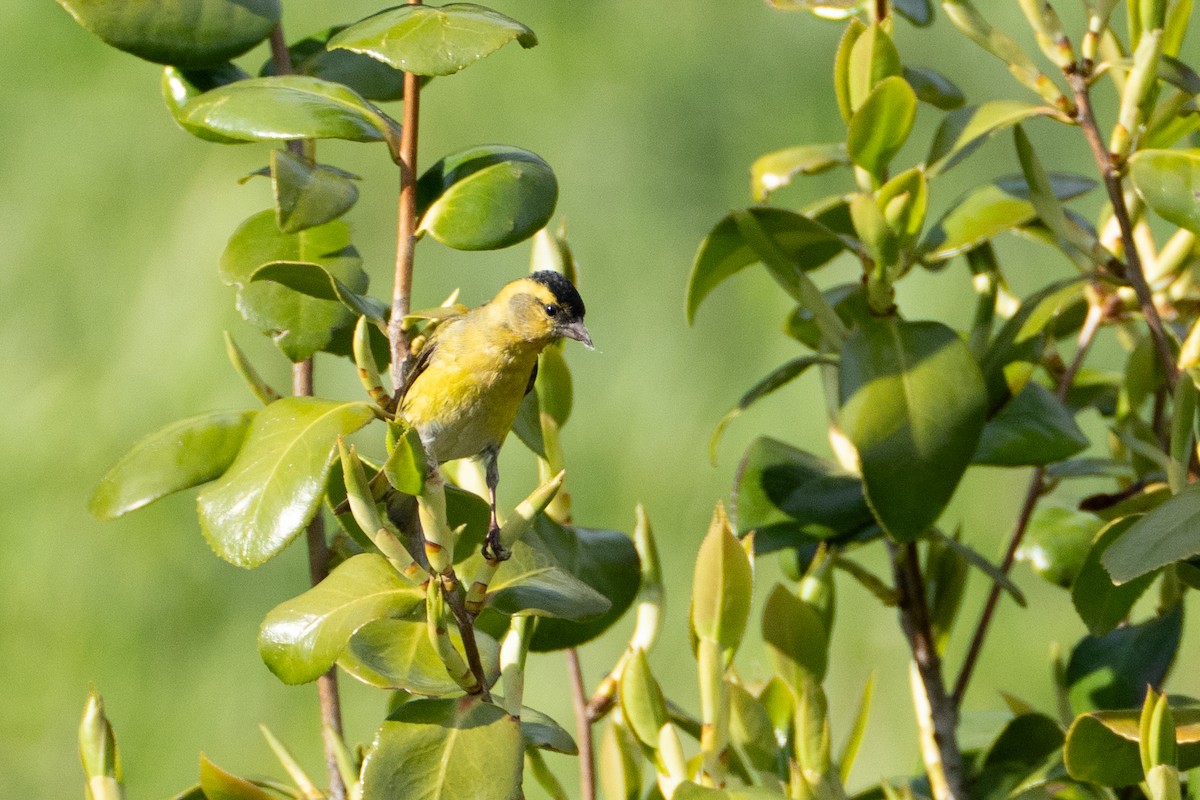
543, 307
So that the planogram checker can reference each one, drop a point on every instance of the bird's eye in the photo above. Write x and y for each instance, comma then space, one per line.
551, 310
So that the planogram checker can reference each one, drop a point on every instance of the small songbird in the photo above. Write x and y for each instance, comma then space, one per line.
466, 383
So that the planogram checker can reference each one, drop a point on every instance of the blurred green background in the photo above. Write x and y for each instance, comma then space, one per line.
112, 220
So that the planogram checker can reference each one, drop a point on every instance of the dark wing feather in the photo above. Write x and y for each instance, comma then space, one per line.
417, 365
532, 378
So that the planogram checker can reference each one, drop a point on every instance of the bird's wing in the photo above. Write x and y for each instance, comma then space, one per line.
532, 378
419, 362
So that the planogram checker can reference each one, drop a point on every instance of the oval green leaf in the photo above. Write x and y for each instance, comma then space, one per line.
433, 40
776, 170
301, 638
1101, 604
397, 654
1167, 534
1057, 542
184, 454
275, 485
642, 701
722, 586
1102, 746
1169, 180
913, 403
796, 639
881, 125
286, 107
179, 86
371, 78
1034, 428
486, 197
307, 195
934, 88
186, 33
1113, 671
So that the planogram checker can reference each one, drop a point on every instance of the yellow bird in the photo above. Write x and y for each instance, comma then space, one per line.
465, 385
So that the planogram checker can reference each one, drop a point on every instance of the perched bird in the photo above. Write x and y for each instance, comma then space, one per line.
466, 383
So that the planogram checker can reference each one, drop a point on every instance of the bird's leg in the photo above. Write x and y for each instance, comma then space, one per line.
492, 549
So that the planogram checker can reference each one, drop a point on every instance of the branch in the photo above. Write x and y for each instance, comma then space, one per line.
583, 727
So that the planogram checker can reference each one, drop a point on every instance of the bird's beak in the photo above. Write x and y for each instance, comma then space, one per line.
579, 333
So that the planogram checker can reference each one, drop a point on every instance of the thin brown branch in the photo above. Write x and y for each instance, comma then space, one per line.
583, 727
466, 627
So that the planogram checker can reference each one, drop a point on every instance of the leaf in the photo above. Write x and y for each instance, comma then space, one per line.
918, 12
934, 88
1113, 671
301, 638
316, 281
286, 107
903, 201
392, 653
965, 129
307, 195
543, 732
445, 750
913, 404
372, 79
1169, 182
179, 86
750, 728
1101, 604
873, 59
881, 125
641, 699
275, 485
432, 40
776, 379
776, 169
797, 641
989, 210
722, 587
1026, 742
724, 252
217, 784
620, 764
486, 197
1102, 746
1057, 541
604, 560
1034, 428
787, 496
186, 33
300, 324
184, 454
1169, 533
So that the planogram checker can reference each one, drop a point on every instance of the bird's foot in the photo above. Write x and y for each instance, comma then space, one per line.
492, 549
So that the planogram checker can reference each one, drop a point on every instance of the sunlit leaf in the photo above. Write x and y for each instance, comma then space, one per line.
1057, 542
1169, 533
1102, 746
275, 484
433, 40
184, 454
218, 784
186, 33
397, 654
370, 77
642, 702
1101, 604
1169, 182
776, 170
965, 129
881, 125
179, 86
873, 58
722, 585
1031, 429
796, 638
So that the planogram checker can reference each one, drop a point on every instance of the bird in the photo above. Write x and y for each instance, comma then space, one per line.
465, 384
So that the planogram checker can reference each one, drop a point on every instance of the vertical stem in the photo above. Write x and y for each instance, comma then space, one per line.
583, 727
406, 227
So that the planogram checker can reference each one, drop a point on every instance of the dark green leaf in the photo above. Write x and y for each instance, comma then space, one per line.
1101, 604
486, 197
724, 252
372, 79
776, 169
934, 88
1057, 542
881, 125
1102, 746
788, 496
964, 130
301, 638
186, 33
1171, 532
184, 454
913, 403
1025, 744
604, 560
541, 731
849, 300
308, 195
1090, 468
1033, 428
432, 40
397, 654
1169, 181
285, 107
1113, 671
918, 12
796, 639
445, 750
274, 486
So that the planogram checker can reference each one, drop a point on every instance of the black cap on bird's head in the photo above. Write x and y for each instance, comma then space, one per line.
571, 309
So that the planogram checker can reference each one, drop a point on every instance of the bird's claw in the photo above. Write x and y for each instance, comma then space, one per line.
492, 549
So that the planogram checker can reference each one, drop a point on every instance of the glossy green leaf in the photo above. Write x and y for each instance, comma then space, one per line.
841, 67
217, 784
873, 59
881, 125
300, 322
184, 454
796, 638
286, 107
776, 379
1057, 542
186, 33
371, 78
934, 88
965, 129
787, 496
445, 750
989, 210
308, 195
1168, 180
1113, 671
1171, 532
1033, 428
486, 197
722, 587
642, 702
433, 40
179, 86
1101, 604
913, 403
1102, 746
397, 654
274, 486
776, 169
724, 252
604, 560
301, 638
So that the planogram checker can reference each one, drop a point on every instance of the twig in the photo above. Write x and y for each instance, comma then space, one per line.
466, 627
318, 551
583, 727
